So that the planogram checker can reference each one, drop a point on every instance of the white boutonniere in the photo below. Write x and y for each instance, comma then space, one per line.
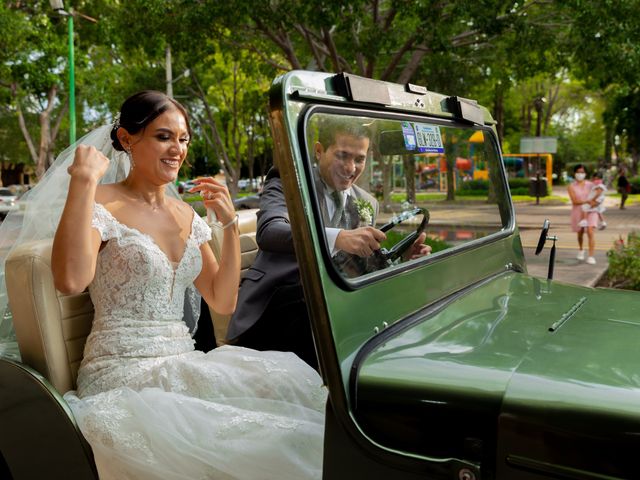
365, 211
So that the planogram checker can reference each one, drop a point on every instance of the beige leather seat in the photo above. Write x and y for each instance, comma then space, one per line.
248, 250
51, 328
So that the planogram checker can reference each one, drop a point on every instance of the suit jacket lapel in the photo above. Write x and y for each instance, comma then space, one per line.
322, 201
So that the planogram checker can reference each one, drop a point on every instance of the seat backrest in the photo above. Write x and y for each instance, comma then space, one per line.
51, 328
248, 251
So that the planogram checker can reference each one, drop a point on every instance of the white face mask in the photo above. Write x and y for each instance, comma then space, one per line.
581, 176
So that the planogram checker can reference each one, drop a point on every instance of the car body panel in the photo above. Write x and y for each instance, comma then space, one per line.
491, 351
34, 414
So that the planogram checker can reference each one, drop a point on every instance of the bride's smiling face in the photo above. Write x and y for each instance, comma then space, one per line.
160, 148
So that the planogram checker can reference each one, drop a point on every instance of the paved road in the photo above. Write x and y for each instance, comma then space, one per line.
530, 218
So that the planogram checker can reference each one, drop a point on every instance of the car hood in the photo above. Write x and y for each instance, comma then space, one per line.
513, 347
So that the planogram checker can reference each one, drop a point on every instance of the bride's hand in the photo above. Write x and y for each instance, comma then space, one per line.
88, 164
215, 196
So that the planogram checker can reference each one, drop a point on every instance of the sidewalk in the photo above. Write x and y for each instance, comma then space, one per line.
530, 218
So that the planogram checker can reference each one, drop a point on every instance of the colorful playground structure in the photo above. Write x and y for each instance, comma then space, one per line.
431, 168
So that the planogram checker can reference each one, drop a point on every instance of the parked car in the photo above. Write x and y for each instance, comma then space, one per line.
8, 201
249, 184
454, 366
247, 202
183, 187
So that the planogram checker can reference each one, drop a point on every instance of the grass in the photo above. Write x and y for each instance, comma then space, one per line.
550, 199
394, 237
424, 197
632, 199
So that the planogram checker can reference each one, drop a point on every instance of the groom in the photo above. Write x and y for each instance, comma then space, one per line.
271, 312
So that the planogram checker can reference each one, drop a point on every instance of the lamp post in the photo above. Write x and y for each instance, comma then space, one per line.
538, 103
169, 80
58, 7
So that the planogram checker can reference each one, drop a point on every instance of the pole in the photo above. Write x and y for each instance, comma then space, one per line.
72, 85
538, 105
168, 71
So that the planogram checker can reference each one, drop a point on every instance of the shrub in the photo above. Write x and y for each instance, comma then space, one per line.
394, 237
474, 188
518, 186
635, 184
624, 263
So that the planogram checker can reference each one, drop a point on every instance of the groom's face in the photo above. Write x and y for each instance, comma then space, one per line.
342, 163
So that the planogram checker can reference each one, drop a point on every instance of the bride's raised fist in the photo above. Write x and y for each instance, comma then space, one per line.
88, 163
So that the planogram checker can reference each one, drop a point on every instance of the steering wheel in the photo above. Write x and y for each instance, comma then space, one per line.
543, 237
395, 252
354, 266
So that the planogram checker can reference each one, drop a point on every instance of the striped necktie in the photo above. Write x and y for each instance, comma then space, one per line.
338, 216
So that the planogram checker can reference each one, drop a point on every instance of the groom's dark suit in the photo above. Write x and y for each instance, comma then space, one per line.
271, 313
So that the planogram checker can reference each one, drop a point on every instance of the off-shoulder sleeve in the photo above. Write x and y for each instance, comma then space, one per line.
104, 222
201, 231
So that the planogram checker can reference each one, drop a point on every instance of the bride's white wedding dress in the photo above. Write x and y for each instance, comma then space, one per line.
152, 407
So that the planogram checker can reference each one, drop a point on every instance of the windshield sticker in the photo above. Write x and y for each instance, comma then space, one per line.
409, 136
428, 138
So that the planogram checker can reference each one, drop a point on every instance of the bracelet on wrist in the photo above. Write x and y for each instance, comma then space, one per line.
231, 222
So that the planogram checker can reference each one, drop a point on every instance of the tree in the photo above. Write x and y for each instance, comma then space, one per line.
32, 76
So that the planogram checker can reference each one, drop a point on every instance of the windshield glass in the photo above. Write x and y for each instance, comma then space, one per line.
401, 184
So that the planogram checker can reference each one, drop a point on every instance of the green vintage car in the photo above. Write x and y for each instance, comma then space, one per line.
455, 365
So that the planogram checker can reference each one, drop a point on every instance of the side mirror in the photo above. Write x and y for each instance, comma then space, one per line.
541, 241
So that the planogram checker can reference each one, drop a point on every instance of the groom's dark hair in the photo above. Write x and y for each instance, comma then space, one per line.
142, 108
332, 126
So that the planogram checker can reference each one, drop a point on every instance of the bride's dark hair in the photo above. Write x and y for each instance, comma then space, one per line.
140, 109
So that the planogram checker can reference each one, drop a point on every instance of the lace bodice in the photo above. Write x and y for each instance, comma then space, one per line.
138, 296
134, 277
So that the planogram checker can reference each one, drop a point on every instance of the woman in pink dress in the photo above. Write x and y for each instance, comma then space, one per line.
579, 192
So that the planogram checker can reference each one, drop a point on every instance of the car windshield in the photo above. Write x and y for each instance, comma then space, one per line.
5, 192
403, 177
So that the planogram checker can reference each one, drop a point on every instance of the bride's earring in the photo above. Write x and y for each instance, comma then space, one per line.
128, 150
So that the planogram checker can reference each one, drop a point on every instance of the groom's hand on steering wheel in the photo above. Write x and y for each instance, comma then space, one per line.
418, 248
361, 241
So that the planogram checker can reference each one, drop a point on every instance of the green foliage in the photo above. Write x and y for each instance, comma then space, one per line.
624, 263
517, 186
505, 54
605, 34
394, 236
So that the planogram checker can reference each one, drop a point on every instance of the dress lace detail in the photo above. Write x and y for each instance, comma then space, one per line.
152, 407
201, 231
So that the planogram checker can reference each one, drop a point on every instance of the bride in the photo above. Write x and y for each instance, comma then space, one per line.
147, 402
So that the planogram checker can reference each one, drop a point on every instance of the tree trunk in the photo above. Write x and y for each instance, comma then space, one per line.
608, 143
498, 110
386, 180
46, 141
409, 164
451, 165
